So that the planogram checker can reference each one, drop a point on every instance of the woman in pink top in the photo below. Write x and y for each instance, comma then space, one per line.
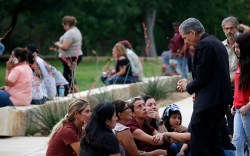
241, 103
18, 80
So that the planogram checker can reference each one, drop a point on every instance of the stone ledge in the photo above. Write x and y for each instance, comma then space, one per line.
15, 120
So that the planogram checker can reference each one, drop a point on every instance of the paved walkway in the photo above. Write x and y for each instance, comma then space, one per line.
36, 146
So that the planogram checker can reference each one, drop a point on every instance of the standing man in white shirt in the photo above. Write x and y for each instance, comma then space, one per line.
230, 27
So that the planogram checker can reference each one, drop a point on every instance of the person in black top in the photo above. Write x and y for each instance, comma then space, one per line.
99, 139
211, 87
123, 70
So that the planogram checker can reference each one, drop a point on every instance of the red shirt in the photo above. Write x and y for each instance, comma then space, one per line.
59, 144
177, 42
241, 98
143, 146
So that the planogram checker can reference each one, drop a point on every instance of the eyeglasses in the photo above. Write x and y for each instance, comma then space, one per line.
126, 108
172, 107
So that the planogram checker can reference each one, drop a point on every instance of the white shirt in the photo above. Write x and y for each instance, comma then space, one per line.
233, 60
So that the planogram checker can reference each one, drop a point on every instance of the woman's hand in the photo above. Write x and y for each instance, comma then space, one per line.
58, 44
180, 129
10, 65
53, 49
244, 110
233, 110
159, 152
158, 138
181, 153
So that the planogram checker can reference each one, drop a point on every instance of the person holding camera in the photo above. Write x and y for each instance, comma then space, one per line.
18, 80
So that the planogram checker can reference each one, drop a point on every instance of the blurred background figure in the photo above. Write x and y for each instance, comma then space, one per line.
241, 104
230, 27
69, 47
18, 80
123, 70
134, 60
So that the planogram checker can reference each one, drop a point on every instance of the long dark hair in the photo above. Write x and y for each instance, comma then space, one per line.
170, 110
32, 49
21, 53
243, 41
119, 106
97, 124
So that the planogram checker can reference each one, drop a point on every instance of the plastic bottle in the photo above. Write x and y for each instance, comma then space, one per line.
61, 90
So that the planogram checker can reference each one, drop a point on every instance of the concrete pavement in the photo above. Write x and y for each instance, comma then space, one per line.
36, 146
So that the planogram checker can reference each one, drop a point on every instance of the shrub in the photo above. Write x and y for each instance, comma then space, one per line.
155, 88
48, 115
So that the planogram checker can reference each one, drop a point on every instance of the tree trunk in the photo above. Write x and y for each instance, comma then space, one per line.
150, 22
14, 18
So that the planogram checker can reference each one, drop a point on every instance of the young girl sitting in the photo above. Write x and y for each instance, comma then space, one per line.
172, 119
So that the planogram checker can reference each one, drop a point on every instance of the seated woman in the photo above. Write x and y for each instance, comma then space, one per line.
39, 92
18, 80
52, 77
99, 139
66, 134
146, 137
123, 71
135, 61
123, 134
154, 118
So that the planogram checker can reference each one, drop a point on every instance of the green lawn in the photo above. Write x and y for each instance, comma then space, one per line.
89, 72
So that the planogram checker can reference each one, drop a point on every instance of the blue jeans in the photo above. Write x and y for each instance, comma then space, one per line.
119, 80
183, 66
5, 99
39, 102
167, 55
241, 132
226, 153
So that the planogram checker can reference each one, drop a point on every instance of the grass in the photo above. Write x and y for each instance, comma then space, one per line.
89, 72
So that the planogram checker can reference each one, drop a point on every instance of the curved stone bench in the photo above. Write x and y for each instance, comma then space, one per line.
15, 120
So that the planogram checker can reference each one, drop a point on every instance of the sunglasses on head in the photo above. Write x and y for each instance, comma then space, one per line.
132, 100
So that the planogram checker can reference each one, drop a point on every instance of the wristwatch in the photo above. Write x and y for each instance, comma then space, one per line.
159, 123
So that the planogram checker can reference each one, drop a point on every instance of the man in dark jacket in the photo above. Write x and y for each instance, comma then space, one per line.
210, 86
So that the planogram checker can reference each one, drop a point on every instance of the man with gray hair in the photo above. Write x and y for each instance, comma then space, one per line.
230, 27
211, 88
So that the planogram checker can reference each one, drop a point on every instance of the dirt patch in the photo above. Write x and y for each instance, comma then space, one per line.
173, 97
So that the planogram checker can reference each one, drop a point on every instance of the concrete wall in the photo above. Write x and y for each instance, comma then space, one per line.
14, 121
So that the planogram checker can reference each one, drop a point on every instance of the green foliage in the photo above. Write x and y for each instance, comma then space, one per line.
103, 23
31, 130
49, 114
104, 96
155, 88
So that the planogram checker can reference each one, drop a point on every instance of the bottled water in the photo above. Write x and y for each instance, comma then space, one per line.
61, 91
